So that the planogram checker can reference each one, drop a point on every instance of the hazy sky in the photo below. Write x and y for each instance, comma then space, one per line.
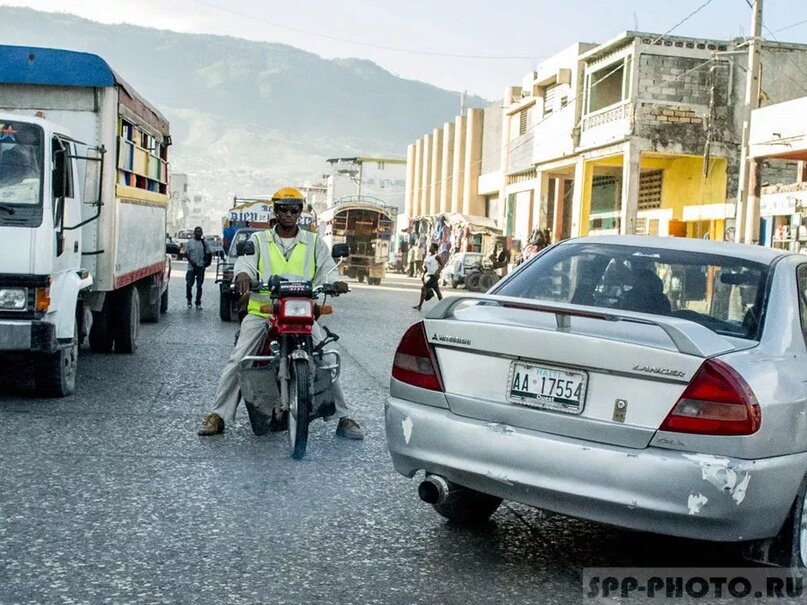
524, 30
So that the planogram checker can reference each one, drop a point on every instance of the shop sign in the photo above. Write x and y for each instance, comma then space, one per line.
777, 204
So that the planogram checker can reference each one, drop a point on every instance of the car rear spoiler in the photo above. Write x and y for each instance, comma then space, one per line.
688, 337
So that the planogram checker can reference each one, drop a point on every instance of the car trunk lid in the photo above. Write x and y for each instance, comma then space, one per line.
593, 374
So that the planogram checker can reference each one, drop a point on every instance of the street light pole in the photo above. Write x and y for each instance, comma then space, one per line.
747, 215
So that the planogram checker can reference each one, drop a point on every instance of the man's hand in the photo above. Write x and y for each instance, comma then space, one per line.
340, 287
243, 282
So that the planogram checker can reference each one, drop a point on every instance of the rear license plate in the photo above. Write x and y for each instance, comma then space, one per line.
547, 387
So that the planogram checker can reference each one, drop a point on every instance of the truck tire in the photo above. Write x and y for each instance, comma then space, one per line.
127, 320
360, 277
56, 372
100, 333
150, 310
164, 302
225, 307
374, 281
472, 281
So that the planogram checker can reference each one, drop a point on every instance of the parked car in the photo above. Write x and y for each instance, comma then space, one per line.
458, 266
656, 384
181, 238
228, 304
214, 245
171, 247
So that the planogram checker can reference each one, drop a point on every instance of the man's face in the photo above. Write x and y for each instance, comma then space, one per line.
197, 233
287, 215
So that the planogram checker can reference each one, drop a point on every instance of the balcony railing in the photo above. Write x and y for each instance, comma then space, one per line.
608, 115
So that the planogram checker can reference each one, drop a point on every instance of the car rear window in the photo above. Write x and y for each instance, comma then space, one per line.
722, 293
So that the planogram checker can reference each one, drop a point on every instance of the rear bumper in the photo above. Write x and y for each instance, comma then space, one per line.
654, 490
27, 335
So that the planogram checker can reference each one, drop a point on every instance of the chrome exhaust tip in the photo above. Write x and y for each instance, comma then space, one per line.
433, 489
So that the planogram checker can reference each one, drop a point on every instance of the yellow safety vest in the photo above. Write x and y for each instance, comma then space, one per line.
301, 265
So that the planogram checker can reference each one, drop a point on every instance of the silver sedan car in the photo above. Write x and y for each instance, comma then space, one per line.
657, 384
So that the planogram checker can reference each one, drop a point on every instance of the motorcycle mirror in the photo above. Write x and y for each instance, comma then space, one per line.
245, 248
340, 251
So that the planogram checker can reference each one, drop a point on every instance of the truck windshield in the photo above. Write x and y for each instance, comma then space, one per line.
20, 164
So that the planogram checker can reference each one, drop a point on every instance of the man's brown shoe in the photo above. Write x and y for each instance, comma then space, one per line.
211, 425
349, 429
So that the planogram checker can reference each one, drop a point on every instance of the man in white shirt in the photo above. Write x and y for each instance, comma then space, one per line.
432, 265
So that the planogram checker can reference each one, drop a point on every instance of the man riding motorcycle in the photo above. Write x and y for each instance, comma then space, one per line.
295, 254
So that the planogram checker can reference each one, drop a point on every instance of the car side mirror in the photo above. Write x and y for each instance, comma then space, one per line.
245, 248
340, 251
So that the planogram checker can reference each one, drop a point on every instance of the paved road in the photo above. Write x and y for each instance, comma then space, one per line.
110, 497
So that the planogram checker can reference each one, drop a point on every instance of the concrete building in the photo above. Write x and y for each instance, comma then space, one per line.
178, 203
779, 173
380, 178
644, 138
640, 134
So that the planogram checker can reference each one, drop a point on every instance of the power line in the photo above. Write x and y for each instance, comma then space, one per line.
682, 21
411, 51
791, 26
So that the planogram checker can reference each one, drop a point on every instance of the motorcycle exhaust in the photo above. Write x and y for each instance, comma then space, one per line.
433, 489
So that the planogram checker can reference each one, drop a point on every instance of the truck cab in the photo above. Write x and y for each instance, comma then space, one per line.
41, 213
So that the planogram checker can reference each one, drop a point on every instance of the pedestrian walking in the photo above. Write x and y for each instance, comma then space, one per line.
432, 265
410, 261
418, 260
199, 257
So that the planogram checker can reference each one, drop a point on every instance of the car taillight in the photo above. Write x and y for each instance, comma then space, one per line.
415, 362
717, 402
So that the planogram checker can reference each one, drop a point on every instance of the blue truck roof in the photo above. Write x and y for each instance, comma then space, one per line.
59, 67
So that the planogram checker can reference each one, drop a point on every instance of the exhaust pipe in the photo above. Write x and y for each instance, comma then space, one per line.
433, 489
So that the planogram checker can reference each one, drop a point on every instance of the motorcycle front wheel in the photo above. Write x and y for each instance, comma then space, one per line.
300, 394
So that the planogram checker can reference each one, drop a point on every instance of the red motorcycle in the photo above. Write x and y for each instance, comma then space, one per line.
289, 381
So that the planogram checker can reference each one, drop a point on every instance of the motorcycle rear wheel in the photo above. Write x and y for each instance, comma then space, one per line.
300, 396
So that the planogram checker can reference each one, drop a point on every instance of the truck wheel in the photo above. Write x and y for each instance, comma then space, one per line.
472, 282
100, 332
164, 302
225, 307
56, 372
360, 277
150, 311
127, 321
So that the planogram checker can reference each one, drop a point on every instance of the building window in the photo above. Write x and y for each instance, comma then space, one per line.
609, 85
650, 189
522, 122
550, 98
381, 165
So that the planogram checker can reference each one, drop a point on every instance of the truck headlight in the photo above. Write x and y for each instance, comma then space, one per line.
13, 299
298, 308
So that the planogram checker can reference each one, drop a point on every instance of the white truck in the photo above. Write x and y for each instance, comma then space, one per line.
83, 197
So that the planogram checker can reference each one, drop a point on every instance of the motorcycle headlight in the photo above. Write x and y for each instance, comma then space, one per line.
298, 308
13, 299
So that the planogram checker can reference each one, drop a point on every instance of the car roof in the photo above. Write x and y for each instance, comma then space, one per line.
759, 254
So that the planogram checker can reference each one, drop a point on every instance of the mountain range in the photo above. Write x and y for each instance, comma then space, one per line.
247, 117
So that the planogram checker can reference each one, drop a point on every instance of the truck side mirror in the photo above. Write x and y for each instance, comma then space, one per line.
340, 251
245, 248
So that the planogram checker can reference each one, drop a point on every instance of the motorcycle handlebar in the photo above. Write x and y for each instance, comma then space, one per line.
273, 284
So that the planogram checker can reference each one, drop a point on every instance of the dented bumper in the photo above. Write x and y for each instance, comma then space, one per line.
652, 489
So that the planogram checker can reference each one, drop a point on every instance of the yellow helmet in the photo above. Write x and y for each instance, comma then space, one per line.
288, 196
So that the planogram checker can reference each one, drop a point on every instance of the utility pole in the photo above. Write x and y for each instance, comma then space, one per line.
747, 216
462, 102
